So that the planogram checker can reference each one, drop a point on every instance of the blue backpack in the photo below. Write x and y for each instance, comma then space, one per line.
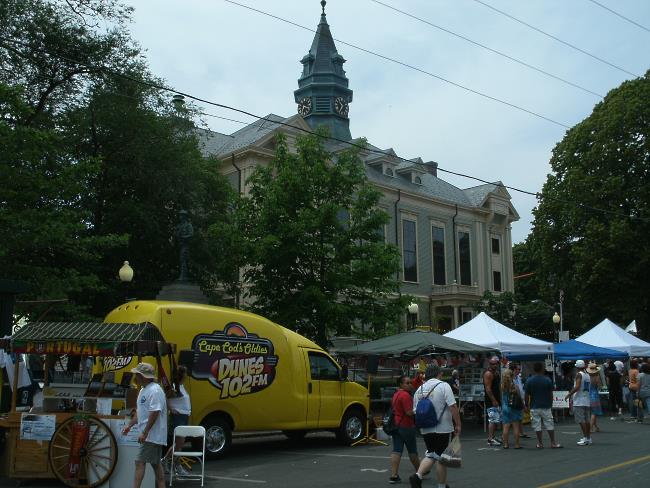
425, 412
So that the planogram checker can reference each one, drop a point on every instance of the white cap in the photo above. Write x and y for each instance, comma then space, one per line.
580, 363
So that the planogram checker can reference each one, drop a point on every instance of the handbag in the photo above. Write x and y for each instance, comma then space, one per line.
451, 456
388, 422
514, 401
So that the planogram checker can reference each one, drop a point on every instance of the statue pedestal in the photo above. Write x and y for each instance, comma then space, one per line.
182, 291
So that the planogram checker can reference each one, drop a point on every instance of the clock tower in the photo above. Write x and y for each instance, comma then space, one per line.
323, 95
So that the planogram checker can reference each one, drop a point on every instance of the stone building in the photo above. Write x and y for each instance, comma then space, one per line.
455, 243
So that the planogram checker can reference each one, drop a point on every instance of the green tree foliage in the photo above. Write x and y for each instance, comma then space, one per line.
501, 307
99, 165
590, 235
317, 263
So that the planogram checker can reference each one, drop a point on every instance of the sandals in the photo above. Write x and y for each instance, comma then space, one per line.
505, 447
539, 446
557, 446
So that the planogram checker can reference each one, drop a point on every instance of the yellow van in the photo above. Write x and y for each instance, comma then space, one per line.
250, 374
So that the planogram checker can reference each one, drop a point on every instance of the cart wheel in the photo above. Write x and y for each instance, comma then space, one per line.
84, 463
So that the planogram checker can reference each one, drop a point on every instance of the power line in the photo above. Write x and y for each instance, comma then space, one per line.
476, 43
406, 65
620, 15
362, 147
572, 46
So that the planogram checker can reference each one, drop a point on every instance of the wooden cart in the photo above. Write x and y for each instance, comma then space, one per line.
82, 452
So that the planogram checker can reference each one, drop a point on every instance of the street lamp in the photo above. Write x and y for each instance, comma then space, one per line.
413, 313
126, 276
557, 319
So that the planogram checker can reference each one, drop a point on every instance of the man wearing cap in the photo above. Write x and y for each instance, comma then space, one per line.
582, 403
492, 385
151, 417
437, 438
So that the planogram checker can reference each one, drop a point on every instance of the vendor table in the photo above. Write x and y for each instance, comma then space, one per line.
476, 402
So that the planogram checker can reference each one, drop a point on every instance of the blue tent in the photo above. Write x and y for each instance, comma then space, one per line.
571, 350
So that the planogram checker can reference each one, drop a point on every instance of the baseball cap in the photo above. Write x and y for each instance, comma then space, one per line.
580, 363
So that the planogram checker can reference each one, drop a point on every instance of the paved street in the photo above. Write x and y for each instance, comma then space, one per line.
619, 457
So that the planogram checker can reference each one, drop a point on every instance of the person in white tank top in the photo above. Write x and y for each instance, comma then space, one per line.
581, 403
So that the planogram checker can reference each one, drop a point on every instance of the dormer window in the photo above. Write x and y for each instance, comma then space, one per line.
388, 171
417, 180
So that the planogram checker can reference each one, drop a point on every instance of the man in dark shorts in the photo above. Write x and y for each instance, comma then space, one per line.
151, 417
436, 438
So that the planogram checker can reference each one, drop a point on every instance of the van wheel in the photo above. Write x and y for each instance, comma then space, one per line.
353, 426
218, 436
295, 435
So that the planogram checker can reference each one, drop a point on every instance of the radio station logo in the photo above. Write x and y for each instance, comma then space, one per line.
234, 361
112, 363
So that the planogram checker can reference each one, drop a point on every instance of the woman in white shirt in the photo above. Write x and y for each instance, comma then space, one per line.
180, 408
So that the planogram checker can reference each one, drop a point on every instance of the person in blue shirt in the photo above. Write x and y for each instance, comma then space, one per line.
539, 399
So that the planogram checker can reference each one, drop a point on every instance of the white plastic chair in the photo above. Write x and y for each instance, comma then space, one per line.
188, 431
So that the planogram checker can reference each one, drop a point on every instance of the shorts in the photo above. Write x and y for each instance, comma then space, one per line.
582, 415
510, 415
436, 444
494, 415
149, 453
179, 419
541, 418
405, 436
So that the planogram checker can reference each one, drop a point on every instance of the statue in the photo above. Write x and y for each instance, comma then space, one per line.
184, 232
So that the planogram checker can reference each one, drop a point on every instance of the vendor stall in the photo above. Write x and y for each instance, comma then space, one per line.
69, 436
608, 334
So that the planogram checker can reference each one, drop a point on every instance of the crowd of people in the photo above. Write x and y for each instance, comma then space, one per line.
508, 398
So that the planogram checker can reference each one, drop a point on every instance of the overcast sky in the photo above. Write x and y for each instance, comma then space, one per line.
228, 54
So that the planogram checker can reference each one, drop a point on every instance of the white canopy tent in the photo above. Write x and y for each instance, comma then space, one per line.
631, 328
485, 331
608, 334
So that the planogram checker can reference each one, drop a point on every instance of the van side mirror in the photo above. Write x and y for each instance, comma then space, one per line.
344, 373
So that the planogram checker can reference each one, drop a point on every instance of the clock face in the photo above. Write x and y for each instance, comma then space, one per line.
341, 106
304, 106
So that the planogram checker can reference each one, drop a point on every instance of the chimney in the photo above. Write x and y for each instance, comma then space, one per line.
432, 168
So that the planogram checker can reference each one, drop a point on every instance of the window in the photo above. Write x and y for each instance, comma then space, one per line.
417, 180
496, 245
496, 278
389, 171
322, 368
409, 250
438, 244
322, 104
343, 218
466, 317
465, 263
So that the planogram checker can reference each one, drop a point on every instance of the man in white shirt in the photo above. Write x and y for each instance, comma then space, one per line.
582, 403
151, 417
436, 438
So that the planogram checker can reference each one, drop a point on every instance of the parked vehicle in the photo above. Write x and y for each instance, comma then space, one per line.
250, 374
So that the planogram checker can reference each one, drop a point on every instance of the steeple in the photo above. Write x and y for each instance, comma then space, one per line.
323, 94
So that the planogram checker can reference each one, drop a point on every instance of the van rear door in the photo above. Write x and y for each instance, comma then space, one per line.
326, 389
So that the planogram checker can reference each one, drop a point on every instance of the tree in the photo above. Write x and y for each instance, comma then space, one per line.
590, 230
500, 307
316, 261
99, 162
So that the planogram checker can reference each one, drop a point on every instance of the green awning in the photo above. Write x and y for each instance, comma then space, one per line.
411, 344
92, 338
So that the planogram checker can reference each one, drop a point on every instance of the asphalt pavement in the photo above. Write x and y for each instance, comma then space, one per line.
618, 458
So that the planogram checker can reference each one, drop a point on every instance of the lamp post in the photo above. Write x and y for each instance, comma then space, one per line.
413, 313
556, 321
126, 276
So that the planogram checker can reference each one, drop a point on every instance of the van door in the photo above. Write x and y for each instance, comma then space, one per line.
326, 389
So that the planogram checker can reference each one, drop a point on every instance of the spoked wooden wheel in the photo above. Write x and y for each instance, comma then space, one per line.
83, 452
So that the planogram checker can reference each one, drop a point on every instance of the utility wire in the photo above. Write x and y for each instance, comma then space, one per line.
476, 43
572, 46
406, 65
362, 147
620, 15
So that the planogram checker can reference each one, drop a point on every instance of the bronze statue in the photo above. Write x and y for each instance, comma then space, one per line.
184, 232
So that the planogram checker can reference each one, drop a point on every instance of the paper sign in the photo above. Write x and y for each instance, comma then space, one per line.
104, 406
559, 399
130, 439
37, 427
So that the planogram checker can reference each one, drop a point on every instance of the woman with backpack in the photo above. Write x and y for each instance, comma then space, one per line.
402, 406
511, 409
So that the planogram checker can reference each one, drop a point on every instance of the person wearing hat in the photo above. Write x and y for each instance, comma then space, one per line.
594, 398
151, 419
581, 402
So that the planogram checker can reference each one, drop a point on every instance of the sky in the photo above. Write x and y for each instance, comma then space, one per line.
231, 55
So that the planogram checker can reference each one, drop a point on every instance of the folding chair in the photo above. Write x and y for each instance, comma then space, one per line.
188, 431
